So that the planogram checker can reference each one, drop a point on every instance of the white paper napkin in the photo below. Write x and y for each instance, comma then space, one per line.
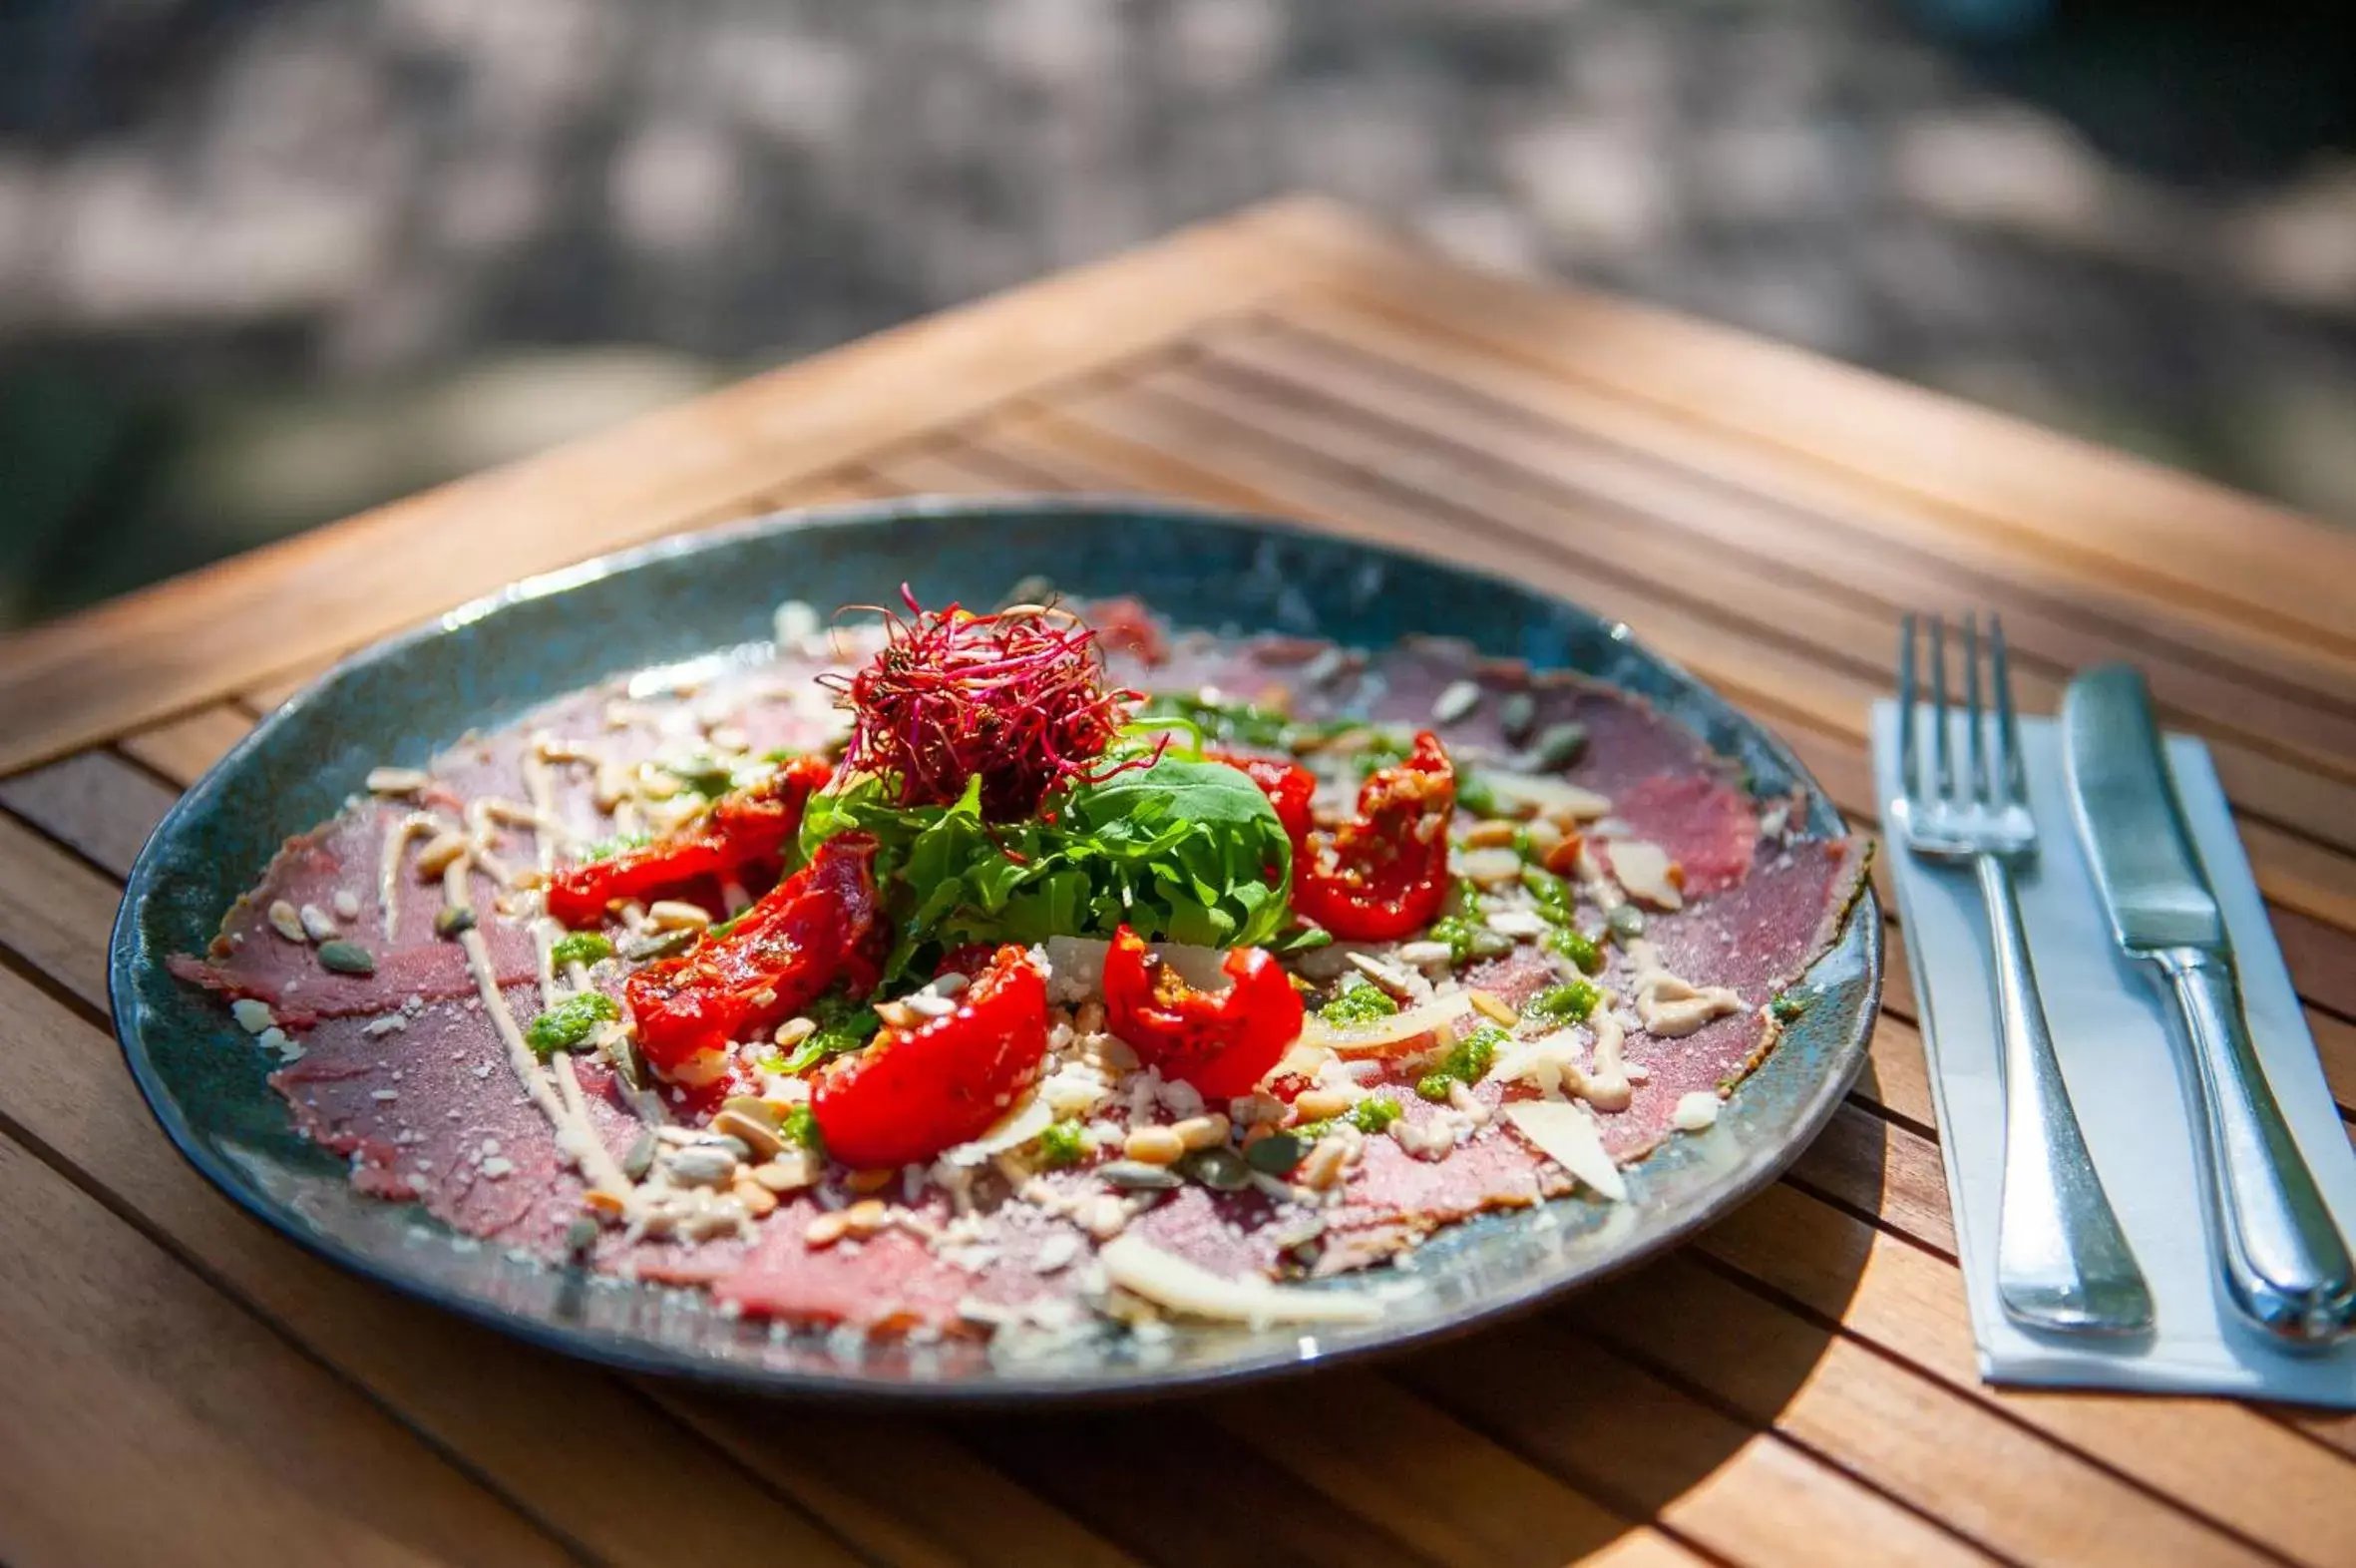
2112, 1031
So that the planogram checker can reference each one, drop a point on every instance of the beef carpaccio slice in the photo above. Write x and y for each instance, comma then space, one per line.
402, 1071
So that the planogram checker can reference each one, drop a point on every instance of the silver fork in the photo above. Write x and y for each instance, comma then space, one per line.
2060, 1261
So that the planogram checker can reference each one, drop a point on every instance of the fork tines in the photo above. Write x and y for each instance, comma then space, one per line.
1993, 749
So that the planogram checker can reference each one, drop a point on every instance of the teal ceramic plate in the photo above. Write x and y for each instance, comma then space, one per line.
406, 699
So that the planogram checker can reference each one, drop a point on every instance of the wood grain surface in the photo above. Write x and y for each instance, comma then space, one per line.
1798, 1387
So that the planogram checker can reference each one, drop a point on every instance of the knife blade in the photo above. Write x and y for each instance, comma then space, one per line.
2153, 886
2284, 1262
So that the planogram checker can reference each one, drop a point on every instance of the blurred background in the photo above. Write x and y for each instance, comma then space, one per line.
263, 262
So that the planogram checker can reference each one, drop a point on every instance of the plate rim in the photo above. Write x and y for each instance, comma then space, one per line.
998, 1390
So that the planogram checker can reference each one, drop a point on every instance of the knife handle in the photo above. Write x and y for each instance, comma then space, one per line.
2285, 1262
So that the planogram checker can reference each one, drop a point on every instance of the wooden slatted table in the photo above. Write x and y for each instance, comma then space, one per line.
1798, 1387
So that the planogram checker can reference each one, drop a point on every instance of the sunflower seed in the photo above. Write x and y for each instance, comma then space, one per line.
346, 903
316, 923
703, 1165
1557, 747
640, 1157
1458, 700
347, 958
1137, 1176
1321, 670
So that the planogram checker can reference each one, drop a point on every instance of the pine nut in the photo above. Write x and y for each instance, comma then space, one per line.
1202, 1132
1494, 833
827, 1229
1154, 1145
871, 1181
1318, 1104
758, 1200
677, 915
1323, 1166
865, 1216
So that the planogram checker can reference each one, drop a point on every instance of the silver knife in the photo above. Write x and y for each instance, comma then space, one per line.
2285, 1265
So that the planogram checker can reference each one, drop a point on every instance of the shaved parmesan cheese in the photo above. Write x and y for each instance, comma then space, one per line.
1534, 794
1646, 872
1014, 1129
1381, 1033
1565, 1134
1139, 1267
1695, 1111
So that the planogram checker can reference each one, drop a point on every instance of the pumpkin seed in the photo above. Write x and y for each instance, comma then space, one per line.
658, 945
580, 1236
1456, 701
1321, 670
347, 958
1033, 590
1557, 747
1218, 1168
1275, 1154
1625, 920
1518, 716
640, 1158
450, 919
1137, 1176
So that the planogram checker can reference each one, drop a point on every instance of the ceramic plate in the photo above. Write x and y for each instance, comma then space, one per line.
408, 698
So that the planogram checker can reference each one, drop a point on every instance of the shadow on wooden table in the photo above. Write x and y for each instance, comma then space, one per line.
1543, 1440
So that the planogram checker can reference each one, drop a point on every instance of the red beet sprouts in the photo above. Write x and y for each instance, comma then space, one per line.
1019, 699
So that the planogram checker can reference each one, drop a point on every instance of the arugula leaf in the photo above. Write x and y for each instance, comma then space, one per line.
1181, 851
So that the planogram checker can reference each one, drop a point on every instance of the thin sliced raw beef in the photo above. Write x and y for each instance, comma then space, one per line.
250, 959
1705, 824
432, 1111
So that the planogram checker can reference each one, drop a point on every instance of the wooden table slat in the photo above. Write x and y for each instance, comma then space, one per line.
150, 1420
2035, 488
1858, 511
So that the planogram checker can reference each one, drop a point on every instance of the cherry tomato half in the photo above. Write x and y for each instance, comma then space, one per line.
1384, 874
914, 1092
1223, 1042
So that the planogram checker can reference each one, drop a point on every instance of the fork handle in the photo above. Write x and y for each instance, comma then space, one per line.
2284, 1262
2061, 1261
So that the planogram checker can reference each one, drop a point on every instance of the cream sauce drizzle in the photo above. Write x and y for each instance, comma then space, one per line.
388, 861
574, 1133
